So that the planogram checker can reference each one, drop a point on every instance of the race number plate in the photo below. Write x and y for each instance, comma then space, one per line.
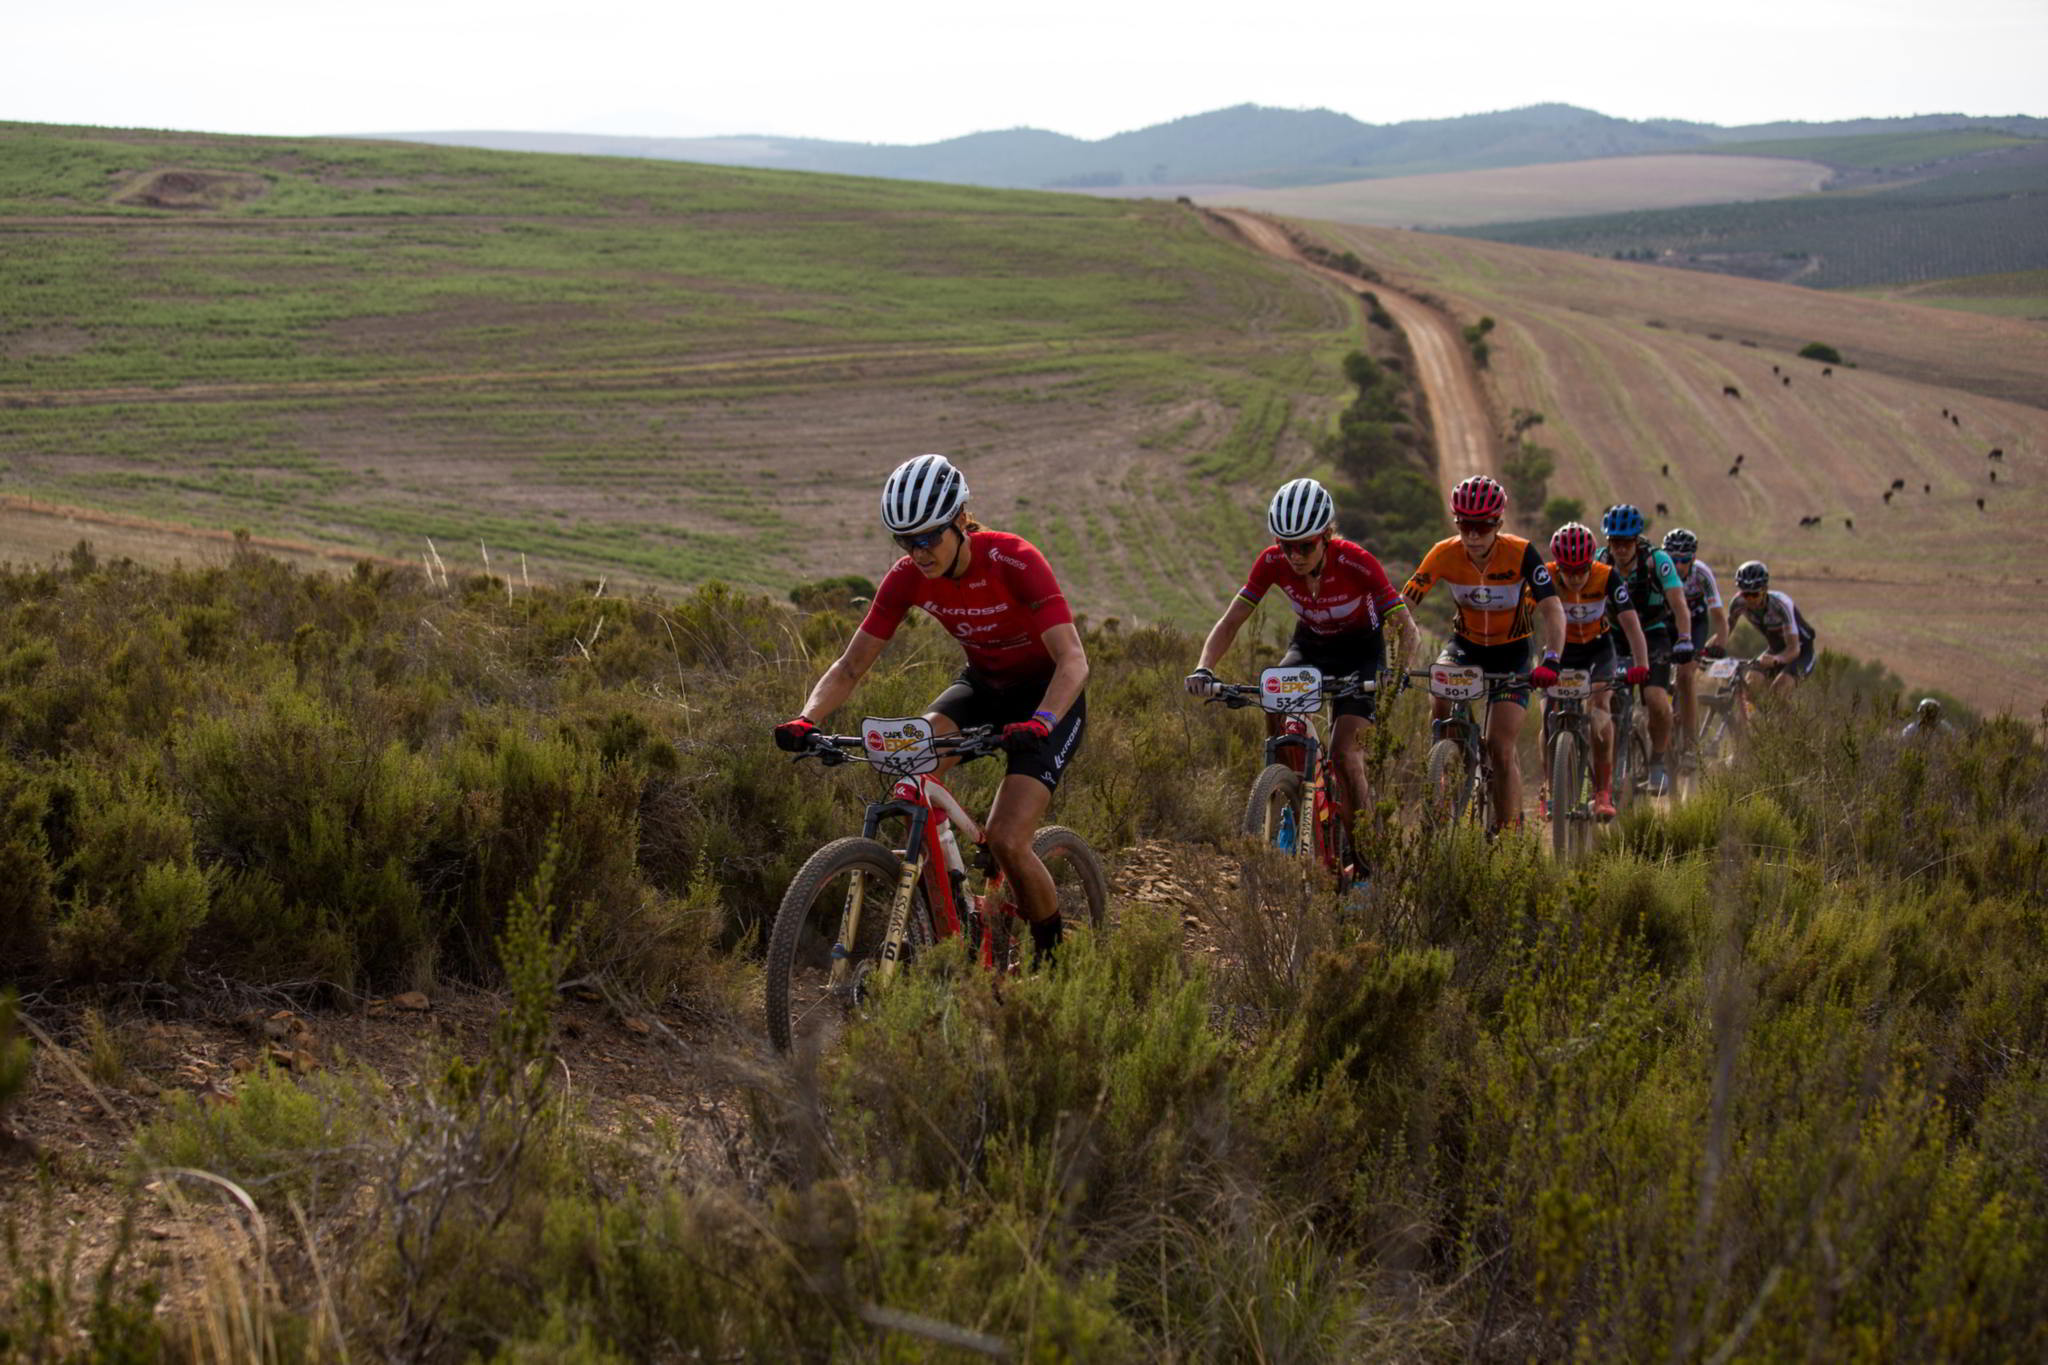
1723, 669
1573, 684
1457, 682
899, 747
1296, 691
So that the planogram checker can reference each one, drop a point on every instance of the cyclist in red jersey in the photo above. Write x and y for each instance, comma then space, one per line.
1343, 599
1026, 668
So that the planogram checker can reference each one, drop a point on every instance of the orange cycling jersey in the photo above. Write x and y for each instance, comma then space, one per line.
1497, 601
1603, 594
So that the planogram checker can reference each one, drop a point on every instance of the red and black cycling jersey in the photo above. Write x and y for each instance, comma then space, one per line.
1353, 593
999, 610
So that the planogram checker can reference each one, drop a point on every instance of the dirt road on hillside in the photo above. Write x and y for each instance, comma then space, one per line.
1450, 384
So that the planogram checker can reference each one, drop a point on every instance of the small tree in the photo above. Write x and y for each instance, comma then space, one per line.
1560, 510
1821, 351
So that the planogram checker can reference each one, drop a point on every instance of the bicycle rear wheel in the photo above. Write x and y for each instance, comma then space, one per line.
1272, 813
803, 1004
1077, 876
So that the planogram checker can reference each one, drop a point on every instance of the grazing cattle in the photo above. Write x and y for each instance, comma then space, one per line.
1788, 381
1997, 454
1730, 391
1664, 511
1848, 523
1733, 470
1926, 488
1944, 412
1980, 504
1827, 372
1888, 497
1809, 521
1994, 476
1898, 485
1740, 458
1665, 470
1774, 369
1954, 420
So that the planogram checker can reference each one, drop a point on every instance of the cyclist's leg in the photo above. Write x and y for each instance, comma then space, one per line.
1504, 724
1597, 657
962, 704
1689, 682
1657, 697
1358, 652
1020, 805
1347, 737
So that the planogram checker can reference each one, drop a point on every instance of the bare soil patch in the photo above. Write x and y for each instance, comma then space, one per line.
174, 188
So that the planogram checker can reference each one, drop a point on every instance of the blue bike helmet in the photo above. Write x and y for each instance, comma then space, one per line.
1622, 519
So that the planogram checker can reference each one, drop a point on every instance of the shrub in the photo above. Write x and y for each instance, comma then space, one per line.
1821, 351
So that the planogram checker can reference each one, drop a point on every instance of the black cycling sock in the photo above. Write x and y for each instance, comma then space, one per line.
1045, 938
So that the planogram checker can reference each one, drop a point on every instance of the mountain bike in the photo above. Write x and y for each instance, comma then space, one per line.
1568, 760
861, 908
1458, 776
1631, 741
1300, 768
1724, 715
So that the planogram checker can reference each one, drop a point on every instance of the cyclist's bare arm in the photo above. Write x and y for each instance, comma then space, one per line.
1401, 649
1681, 614
1632, 627
1070, 669
1717, 621
1550, 624
844, 675
1224, 633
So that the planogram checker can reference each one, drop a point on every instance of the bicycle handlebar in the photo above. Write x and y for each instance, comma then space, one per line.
1235, 695
966, 745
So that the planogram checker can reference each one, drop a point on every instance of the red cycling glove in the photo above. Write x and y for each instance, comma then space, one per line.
1023, 734
794, 736
1637, 673
1543, 675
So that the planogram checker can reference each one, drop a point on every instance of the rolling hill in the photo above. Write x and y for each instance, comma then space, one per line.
1630, 365
1247, 145
633, 369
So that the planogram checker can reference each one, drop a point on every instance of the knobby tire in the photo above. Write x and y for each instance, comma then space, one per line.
800, 1002
1275, 800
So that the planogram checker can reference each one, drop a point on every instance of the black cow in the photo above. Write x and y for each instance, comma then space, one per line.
1664, 511
1888, 497
1733, 470
1827, 372
1898, 485
1665, 470
1849, 523
1730, 391
1788, 381
1997, 454
1740, 458
1980, 504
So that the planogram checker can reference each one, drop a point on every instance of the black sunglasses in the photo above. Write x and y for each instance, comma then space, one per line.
1298, 547
1475, 525
924, 541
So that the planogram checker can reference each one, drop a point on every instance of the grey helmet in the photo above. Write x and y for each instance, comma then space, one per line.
1679, 541
922, 494
1300, 509
1754, 576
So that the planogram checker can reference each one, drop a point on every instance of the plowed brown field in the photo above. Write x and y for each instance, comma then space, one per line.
1630, 365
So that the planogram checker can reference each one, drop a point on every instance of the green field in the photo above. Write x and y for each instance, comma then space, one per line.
1963, 223
2020, 294
1874, 152
620, 366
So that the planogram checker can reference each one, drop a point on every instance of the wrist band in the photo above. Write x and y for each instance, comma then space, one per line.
1048, 717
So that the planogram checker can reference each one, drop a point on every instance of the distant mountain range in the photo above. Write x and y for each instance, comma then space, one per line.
1246, 145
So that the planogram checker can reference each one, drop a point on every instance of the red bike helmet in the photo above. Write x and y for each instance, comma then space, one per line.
1573, 546
1478, 498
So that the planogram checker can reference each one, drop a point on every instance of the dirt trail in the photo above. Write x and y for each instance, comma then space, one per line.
1450, 384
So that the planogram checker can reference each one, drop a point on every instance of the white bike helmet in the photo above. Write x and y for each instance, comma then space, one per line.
1299, 510
922, 495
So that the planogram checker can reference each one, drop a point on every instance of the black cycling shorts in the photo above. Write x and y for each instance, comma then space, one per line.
1702, 631
1512, 657
972, 700
1658, 638
1361, 651
1596, 654
1803, 665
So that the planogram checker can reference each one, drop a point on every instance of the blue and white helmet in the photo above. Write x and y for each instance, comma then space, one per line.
922, 494
1301, 509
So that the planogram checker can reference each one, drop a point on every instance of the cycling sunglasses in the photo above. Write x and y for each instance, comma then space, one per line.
925, 541
1300, 549
1475, 525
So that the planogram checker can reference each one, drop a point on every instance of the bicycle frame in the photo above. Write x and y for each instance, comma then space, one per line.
1300, 746
915, 801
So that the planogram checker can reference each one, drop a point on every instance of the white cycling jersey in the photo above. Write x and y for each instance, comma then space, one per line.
1702, 593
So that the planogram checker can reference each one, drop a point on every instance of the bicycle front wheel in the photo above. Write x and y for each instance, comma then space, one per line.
1567, 796
1273, 812
1448, 783
835, 911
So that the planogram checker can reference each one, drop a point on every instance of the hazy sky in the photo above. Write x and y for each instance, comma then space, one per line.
919, 71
